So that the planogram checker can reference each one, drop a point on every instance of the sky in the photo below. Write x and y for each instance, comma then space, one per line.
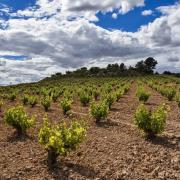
41, 37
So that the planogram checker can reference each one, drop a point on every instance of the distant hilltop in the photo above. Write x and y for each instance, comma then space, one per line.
144, 67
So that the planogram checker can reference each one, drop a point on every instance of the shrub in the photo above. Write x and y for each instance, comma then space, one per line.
109, 99
178, 100
66, 105
46, 103
18, 119
170, 93
12, 96
119, 94
84, 98
68, 94
99, 110
151, 123
1, 104
142, 94
44, 92
108, 88
25, 99
5, 96
55, 96
60, 139
96, 94
126, 88
32, 101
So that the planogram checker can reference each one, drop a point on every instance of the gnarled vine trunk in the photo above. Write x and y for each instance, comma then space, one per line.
52, 157
150, 135
19, 131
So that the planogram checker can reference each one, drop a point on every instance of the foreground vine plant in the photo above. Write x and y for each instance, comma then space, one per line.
66, 105
12, 97
178, 100
25, 99
99, 110
84, 98
18, 119
152, 123
1, 105
60, 139
142, 94
46, 102
32, 101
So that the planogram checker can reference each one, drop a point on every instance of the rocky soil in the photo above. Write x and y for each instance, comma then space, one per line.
114, 149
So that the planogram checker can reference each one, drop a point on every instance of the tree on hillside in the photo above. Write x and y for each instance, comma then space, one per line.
143, 67
147, 66
94, 70
150, 65
81, 72
122, 67
140, 67
167, 73
113, 69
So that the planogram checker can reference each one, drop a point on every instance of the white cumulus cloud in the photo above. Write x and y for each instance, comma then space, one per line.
67, 39
147, 12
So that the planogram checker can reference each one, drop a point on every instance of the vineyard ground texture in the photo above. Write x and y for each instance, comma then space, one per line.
113, 149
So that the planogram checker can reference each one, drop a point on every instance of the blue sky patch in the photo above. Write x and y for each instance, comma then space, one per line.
129, 22
133, 20
17, 58
18, 4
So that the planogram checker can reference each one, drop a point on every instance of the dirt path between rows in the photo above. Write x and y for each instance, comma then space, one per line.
112, 150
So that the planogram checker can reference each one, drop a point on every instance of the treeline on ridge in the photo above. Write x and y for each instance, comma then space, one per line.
144, 67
